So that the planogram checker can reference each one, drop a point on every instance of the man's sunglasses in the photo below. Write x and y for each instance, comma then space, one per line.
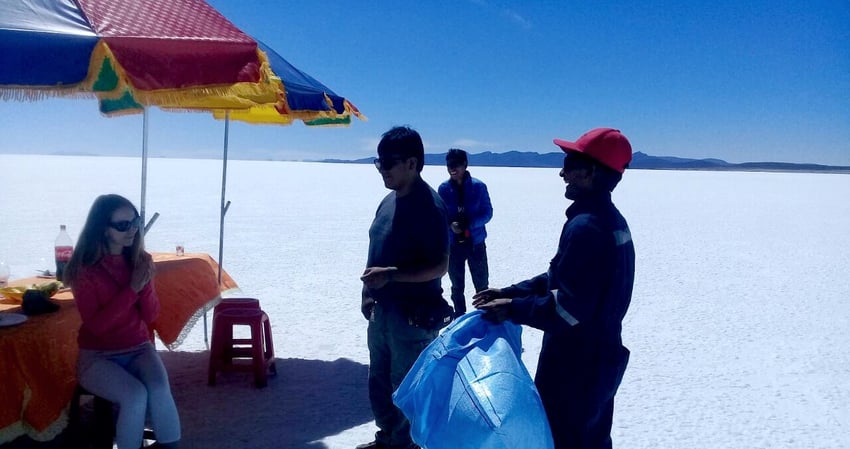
576, 162
125, 225
386, 163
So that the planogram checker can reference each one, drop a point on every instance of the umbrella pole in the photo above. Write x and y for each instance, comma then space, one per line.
224, 207
144, 162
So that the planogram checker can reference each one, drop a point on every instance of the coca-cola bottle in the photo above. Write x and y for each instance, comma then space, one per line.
64, 247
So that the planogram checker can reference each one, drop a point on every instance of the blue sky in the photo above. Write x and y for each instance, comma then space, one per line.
740, 81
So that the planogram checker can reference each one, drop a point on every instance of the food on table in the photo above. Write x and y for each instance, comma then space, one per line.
16, 293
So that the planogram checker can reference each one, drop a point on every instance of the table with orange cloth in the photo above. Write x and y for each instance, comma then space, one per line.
38, 358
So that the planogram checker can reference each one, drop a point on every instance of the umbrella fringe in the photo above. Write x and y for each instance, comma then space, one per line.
270, 115
231, 96
349, 107
29, 93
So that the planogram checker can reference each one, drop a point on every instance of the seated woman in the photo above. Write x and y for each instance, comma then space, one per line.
110, 274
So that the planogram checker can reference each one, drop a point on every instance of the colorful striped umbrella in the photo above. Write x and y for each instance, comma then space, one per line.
174, 54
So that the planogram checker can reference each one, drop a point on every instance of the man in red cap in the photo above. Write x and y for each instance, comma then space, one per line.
581, 301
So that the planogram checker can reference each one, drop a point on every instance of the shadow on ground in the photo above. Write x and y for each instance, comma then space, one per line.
307, 401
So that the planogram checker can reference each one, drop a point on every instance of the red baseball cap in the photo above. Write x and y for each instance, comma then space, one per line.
606, 145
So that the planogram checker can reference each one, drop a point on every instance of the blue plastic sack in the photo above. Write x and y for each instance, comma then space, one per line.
470, 389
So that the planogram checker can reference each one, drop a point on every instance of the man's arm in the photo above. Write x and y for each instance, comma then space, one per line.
483, 209
538, 285
422, 274
581, 274
377, 277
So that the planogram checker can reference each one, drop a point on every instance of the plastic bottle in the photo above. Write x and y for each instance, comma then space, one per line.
4, 274
64, 247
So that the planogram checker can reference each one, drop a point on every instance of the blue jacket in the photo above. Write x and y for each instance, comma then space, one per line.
476, 205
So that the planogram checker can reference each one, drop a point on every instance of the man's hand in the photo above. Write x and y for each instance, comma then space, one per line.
485, 296
456, 227
367, 303
495, 307
377, 277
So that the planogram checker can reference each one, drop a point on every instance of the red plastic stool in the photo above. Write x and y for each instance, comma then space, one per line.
226, 350
237, 303
228, 303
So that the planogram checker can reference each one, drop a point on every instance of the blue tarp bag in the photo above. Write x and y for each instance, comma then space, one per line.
470, 389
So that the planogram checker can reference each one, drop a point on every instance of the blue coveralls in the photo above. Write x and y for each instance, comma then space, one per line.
580, 304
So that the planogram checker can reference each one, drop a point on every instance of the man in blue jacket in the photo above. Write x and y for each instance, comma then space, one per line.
468, 204
581, 300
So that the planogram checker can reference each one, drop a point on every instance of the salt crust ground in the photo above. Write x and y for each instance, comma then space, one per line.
738, 327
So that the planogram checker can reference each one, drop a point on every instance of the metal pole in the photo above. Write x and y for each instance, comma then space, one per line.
224, 206
223, 212
144, 162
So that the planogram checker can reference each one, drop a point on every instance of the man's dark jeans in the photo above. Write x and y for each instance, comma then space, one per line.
476, 255
394, 346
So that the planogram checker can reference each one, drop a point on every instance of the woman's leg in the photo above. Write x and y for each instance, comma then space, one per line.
148, 368
103, 377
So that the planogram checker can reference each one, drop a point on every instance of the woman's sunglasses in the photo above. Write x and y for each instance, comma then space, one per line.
125, 225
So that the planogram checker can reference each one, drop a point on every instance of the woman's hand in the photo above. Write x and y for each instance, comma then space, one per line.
142, 273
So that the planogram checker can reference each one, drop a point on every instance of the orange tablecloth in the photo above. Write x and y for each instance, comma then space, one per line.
38, 358
38, 370
187, 286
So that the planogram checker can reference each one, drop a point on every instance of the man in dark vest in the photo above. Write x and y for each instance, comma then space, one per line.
408, 256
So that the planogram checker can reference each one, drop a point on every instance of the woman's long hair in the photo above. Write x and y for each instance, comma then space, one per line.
92, 244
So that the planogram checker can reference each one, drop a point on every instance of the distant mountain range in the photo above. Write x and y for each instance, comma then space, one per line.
639, 160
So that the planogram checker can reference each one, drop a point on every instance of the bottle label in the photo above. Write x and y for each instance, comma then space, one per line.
63, 253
